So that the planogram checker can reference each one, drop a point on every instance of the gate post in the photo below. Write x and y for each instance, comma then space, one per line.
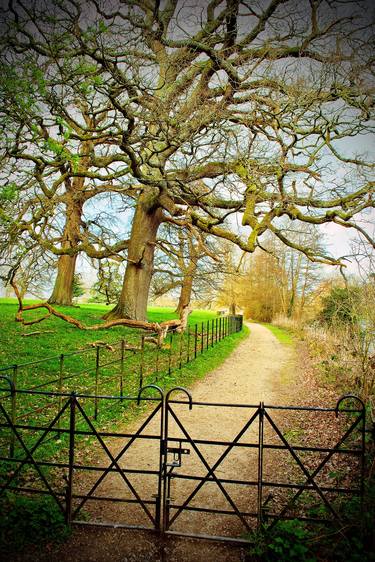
69, 487
162, 447
260, 466
167, 475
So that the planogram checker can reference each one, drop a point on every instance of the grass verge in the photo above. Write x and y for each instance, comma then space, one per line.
282, 335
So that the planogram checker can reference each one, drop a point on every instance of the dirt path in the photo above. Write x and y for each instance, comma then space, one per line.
260, 369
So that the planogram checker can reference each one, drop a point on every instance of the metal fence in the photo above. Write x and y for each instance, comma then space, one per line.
155, 477
121, 368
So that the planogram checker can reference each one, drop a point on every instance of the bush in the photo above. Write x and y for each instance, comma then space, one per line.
30, 520
339, 306
288, 542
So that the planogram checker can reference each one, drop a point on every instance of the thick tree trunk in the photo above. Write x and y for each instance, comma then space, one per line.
186, 290
63, 289
134, 295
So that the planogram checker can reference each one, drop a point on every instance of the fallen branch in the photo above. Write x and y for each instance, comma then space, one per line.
161, 329
37, 333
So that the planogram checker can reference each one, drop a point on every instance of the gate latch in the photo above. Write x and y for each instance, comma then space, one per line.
177, 452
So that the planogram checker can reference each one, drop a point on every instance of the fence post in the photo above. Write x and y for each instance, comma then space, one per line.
181, 342
215, 330
157, 363
170, 352
220, 328
97, 367
12, 444
141, 363
61, 378
188, 345
212, 332
260, 467
195, 340
202, 337
69, 487
122, 369
208, 333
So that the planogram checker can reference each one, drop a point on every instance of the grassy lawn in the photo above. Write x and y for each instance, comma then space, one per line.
179, 363
63, 337
78, 370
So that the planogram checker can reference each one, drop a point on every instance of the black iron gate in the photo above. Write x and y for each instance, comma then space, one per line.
260, 491
182, 473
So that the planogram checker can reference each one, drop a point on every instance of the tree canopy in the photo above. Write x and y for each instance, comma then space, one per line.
230, 117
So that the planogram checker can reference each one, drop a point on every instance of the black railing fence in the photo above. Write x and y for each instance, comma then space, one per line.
119, 369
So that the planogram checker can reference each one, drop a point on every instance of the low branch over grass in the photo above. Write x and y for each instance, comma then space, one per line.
160, 328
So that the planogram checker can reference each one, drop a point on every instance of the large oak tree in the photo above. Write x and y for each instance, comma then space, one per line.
223, 111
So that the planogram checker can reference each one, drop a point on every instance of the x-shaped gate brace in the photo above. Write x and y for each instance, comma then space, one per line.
162, 521
263, 416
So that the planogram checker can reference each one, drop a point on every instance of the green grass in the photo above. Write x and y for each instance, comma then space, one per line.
282, 335
36, 409
63, 337
170, 366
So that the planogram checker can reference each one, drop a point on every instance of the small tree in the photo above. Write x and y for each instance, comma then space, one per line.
345, 342
78, 288
108, 286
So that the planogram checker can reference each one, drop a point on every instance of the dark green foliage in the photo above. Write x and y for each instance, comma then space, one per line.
339, 306
30, 520
288, 542
357, 544
78, 288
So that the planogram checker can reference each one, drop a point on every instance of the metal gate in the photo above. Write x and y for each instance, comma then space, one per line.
181, 472
258, 475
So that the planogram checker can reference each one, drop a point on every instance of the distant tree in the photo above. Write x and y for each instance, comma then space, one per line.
275, 281
108, 286
78, 289
188, 263
340, 306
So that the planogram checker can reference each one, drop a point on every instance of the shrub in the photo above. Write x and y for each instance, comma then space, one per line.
288, 542
30, 520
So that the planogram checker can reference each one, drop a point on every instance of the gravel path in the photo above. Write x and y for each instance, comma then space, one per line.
260, 369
